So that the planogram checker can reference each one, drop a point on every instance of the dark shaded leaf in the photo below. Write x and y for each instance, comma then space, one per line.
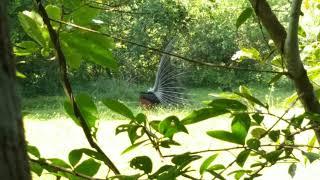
311, 156
88, 167
143, 163
74, 156
273, 156
59, 162
258, 118
258, 132
274, 135
242, 157
245, 14
36, 168
33, 150
253, 144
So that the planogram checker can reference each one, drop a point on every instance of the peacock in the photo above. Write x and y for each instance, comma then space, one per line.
166, 89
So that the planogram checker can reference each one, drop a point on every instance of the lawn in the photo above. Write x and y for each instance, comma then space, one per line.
48, 128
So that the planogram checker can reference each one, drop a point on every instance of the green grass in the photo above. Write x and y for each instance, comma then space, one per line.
51, 107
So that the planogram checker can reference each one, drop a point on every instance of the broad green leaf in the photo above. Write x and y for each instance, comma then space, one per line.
171, 125
276, 78
253, 143
274, 135
168, 142
84, 15
311, 156
143, 163
292, 169
225, 136
229, 104
240, 126
258, 118
162, 170
273, 156
119, 108
74, 156
206, 163
123, 128
54, 12
242, 157
92, 47
245, 14
133, 146
36, 168
33, 150
251, 99
59, 162
25, 48
88, 167
133, 133
32, 24
73, 58
87, 108
203, 114
141, 118
247, 53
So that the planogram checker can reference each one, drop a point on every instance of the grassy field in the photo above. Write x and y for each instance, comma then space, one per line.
48, 128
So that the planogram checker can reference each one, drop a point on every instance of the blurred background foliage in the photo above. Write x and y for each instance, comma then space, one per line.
204, 30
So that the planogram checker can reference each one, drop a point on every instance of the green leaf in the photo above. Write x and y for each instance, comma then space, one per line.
258, 132
124, 177
124, 128
251, 99
74, 157
119, 108
274, 135
203, 114
206, 163
32, 24
253, 143
33, 150
273, 156
84, 15
240, 126
225, 136
143, 163
59, 162
162, 170
229, 104
72, 56
247, 53
20, 75
311, 156
292, 170
258, 118
216, 175
25, 48
141, 118
87, 108
245, 14
168, 142
36, 168
54, 12
92, 47
88, 167
242, 157
171, 125
311, 143
133, 133
184, 159
133, 146
216, 167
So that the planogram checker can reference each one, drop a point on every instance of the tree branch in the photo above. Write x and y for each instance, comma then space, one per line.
67, 86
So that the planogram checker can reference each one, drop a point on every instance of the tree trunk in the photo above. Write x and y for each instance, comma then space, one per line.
287, 44
13, 158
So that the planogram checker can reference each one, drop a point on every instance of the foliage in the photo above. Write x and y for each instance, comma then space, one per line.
257, 145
